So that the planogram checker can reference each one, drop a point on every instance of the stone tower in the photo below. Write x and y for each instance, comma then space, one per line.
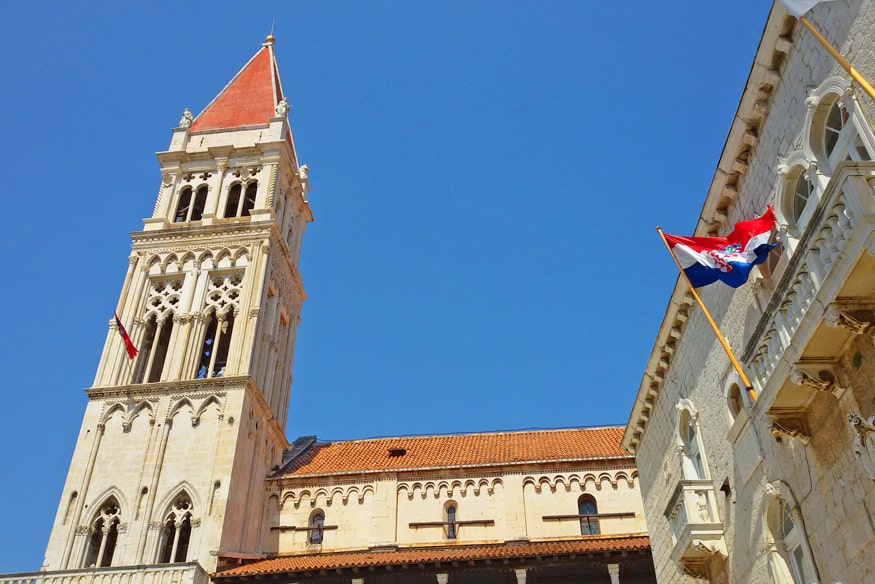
168, 469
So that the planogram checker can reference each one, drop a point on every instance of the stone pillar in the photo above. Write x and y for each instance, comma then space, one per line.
442, 578
520, 575
614, 571
357, 581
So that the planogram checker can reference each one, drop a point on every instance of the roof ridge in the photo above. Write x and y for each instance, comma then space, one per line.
461, 434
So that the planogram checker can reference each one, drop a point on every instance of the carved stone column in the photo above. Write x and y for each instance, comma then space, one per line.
520, 575
442, 578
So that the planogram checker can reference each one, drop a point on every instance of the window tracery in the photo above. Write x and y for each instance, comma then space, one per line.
164, 298
222, 302
177, 531
104, 535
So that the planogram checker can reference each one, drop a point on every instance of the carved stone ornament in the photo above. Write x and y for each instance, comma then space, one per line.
83, 530
186, 119
781, 167
155, 525
864, 441
801, 377
838, 318
282, 108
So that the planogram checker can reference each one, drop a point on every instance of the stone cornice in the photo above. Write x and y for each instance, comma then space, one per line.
197, 388
218, 233
492, 469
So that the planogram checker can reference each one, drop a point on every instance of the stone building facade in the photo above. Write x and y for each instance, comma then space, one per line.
182, 471
515, 507
780, 488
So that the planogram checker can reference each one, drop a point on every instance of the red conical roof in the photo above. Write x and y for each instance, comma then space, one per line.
249, 99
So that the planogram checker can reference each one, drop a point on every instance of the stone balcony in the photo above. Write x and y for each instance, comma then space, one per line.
824, 294
188, 573
696, 529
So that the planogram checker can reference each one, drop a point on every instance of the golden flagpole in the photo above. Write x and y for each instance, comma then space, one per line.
838, 57
720, 337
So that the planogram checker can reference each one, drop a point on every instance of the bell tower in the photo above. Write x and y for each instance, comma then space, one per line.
169, 465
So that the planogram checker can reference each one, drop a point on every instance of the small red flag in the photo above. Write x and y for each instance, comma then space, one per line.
129, 345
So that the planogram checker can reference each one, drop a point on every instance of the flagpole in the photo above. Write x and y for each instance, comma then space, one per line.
720, 337
838, 57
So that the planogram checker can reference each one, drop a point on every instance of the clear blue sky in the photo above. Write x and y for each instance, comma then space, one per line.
486, 178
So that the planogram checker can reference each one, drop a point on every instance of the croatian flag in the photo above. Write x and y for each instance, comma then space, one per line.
129, 344
728, 259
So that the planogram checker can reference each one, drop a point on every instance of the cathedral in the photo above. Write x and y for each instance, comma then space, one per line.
182, 472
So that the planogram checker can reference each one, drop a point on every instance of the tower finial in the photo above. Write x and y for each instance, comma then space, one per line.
269, 38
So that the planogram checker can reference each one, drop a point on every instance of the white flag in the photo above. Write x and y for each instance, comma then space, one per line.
799, 7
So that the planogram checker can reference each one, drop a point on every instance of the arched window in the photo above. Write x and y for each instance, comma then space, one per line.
188, 211
451, 520
835, 135
317, 524
237, 206
249, 199
216, 345
734, 401
692, 463
154, 347
798, 195
200, 201
589, 515
104, 534
177, 531
789, 553
841, 141
222, 300
233, 200
184, 205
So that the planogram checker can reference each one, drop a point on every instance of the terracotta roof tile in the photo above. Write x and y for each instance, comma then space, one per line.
249, 99
458, 450
333, 561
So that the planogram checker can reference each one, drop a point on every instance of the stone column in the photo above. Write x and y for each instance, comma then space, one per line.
520, 575
614, 571
442, 578
357, 581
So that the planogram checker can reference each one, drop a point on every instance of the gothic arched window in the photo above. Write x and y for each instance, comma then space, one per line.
104, 534
177, 531
317, 523
154, 349
216, 345
589, 515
